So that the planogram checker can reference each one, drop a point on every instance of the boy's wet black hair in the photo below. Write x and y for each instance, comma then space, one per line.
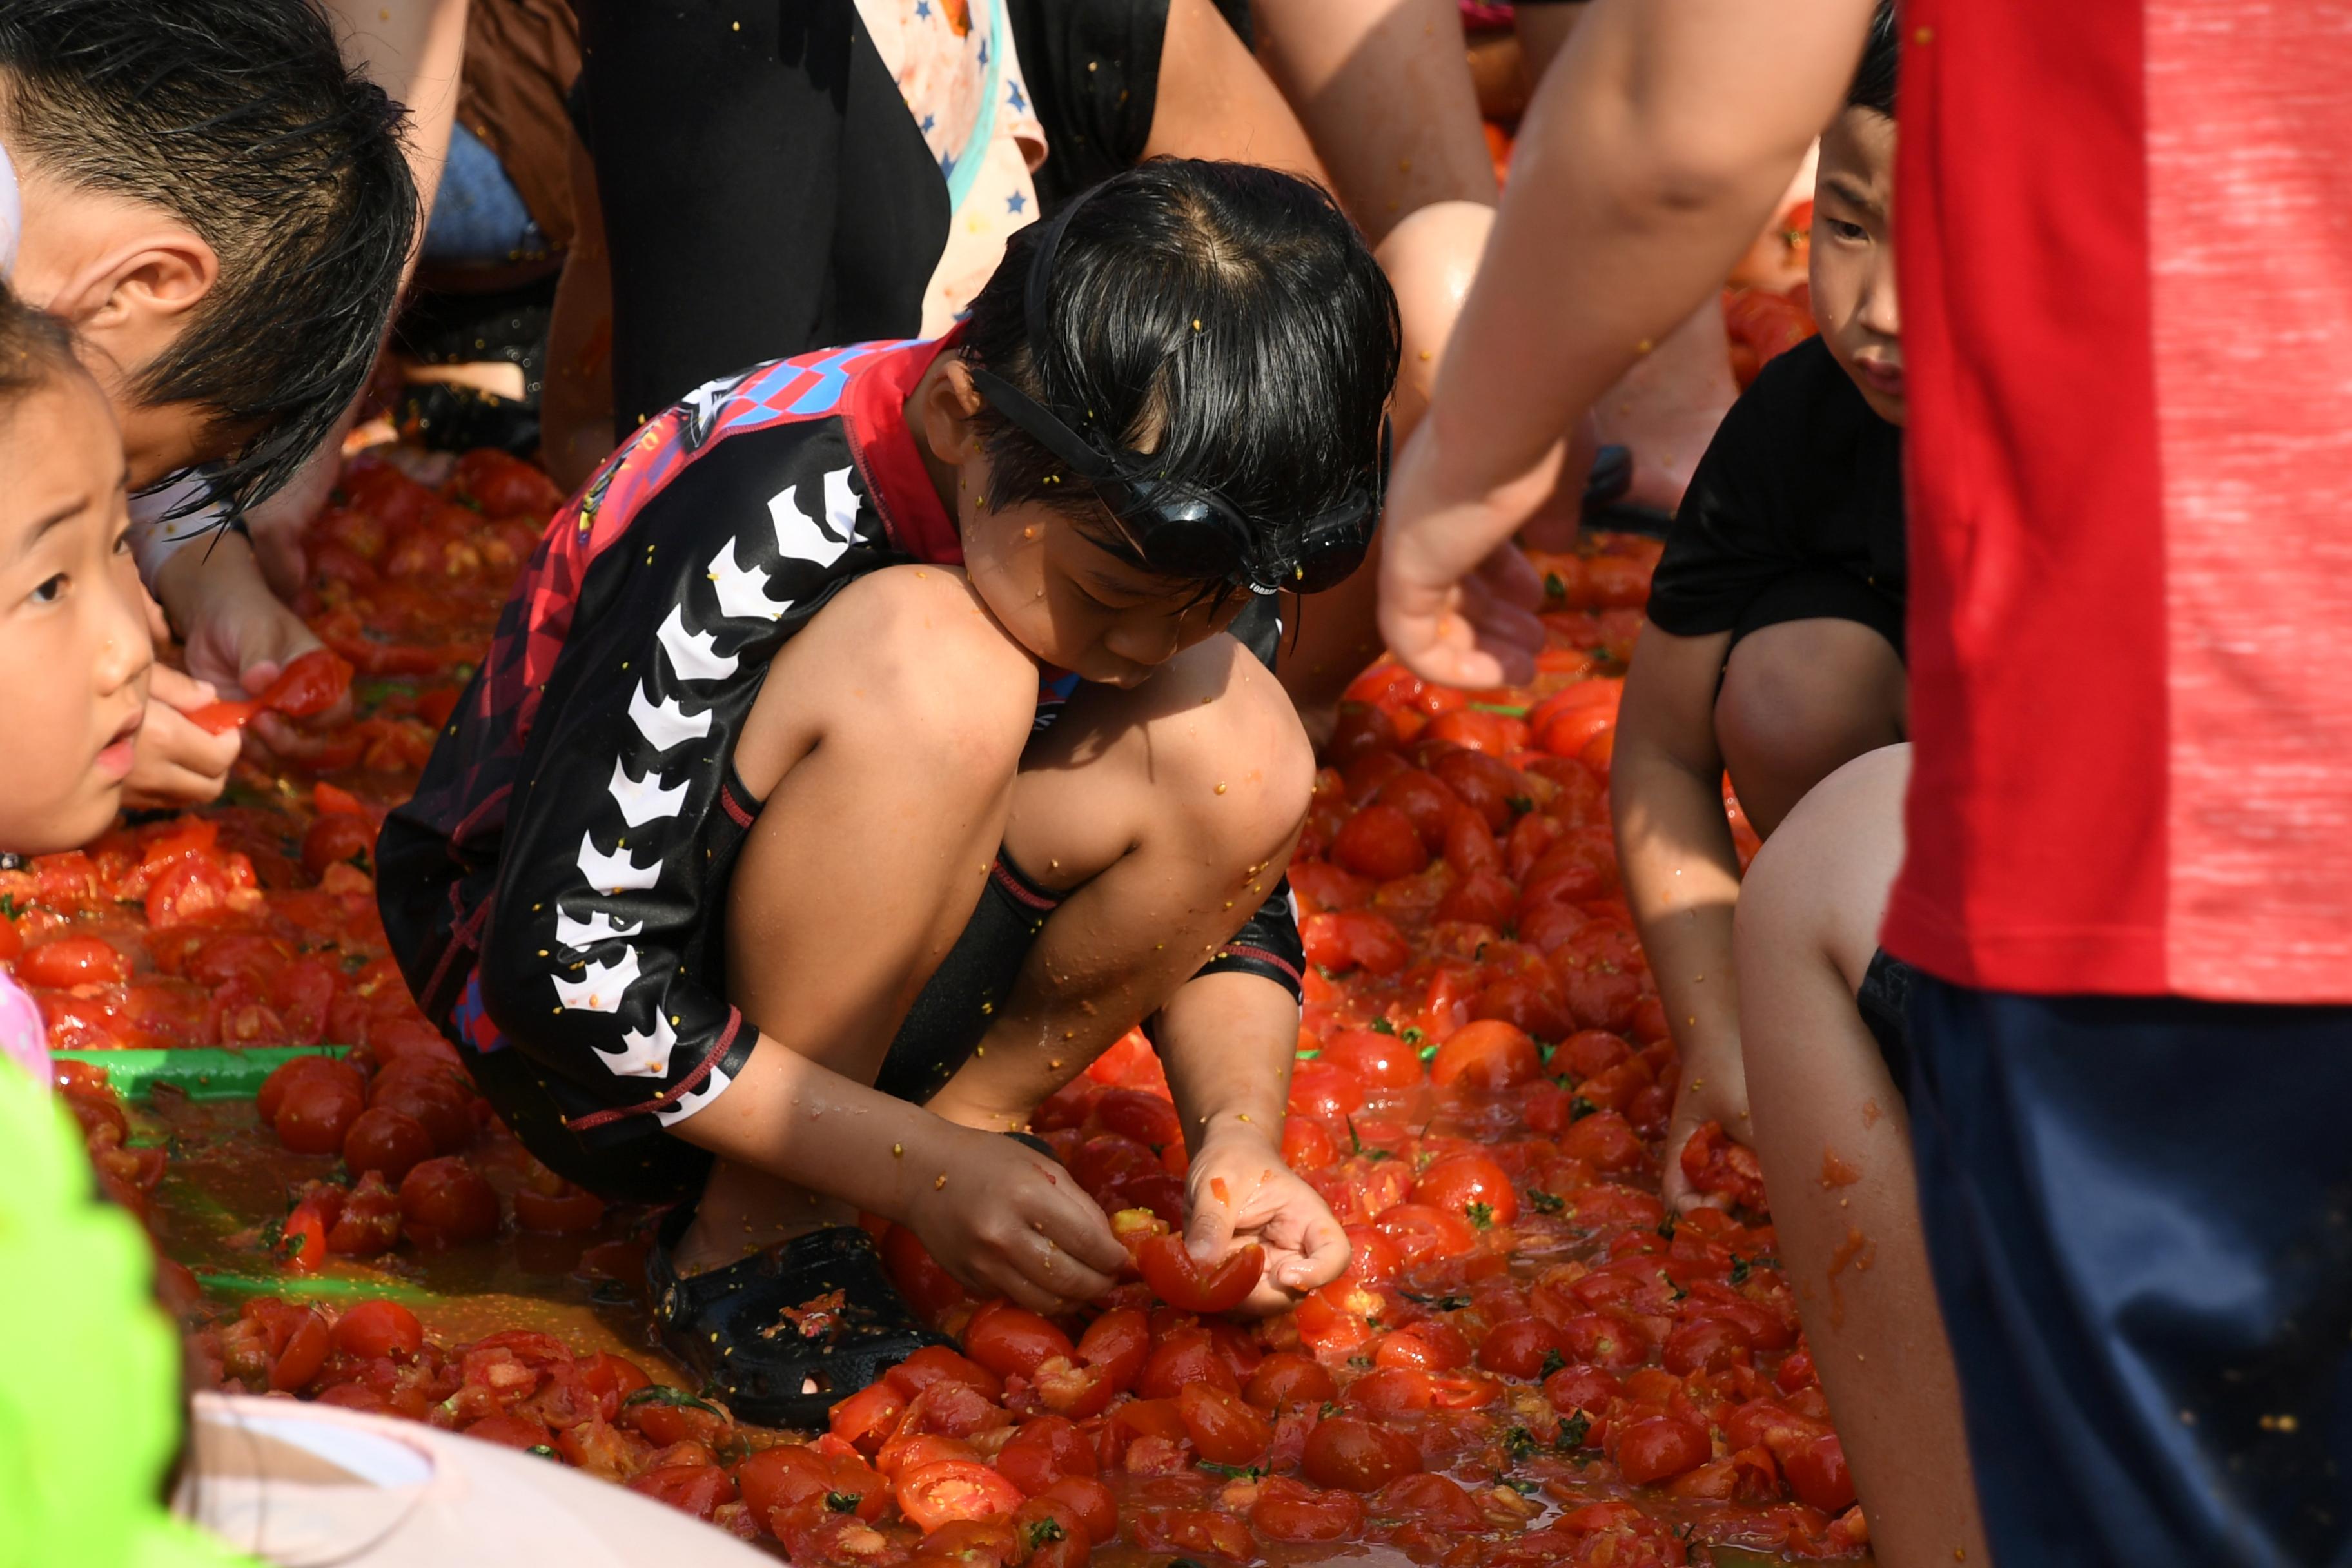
1226, 318
241, 118
1874, 80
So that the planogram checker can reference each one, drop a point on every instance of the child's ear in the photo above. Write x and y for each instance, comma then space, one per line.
951, 404
136, 297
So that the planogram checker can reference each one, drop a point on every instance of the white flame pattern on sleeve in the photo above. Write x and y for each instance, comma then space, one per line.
600, 985
743, 595
597, 928
688, 1104
666, 724
694, 655
615, 873
815, 528
801, 534
643, 800
643, 1055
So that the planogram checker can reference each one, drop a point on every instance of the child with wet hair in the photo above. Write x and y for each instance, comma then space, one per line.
866, 754
221, 206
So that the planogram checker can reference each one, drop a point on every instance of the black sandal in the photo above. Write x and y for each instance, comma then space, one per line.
785, 1335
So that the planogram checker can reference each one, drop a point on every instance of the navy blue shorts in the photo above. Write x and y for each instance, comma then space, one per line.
2139, 1215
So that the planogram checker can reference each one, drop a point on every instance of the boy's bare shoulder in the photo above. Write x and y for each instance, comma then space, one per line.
931, 611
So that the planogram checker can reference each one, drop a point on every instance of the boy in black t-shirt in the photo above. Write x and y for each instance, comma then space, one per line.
1775, 644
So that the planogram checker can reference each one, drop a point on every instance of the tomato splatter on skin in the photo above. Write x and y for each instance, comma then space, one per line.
1838, 1171
1856, 1250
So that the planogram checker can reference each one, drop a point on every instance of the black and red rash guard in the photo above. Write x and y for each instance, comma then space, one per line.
557, 886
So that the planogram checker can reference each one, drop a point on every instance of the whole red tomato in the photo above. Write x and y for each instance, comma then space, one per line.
380, 1329
1008, 1340
1658, 1448
1487, 1055
447, 1202
1358, 1455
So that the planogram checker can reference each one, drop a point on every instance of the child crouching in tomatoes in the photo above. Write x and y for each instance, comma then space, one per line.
863, 754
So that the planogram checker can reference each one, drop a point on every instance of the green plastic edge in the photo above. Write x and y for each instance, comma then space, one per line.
208, 1072
313, 1288
214, 1073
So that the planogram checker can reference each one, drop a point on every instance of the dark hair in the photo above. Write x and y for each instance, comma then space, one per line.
241, 118
1226, 318
36, 348
1874, 80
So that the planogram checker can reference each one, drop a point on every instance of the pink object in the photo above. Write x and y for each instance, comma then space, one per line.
24, 1036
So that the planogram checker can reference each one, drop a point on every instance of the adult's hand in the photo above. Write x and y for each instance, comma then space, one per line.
1457, 598
1652, 152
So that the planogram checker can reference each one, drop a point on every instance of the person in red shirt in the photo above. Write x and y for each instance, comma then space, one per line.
2128, 883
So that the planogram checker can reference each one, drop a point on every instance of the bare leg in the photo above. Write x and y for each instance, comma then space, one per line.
884, 745
1798, 701
892, 791
1836, 1144
1171, 809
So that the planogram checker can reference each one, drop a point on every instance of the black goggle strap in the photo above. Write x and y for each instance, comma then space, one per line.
1039, 423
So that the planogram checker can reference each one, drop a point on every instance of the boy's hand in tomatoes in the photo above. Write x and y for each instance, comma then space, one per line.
1239, 1194
1006, 1221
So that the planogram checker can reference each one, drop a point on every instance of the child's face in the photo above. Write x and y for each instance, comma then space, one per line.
73, 649
1854, 256
1056, 593
1072, 603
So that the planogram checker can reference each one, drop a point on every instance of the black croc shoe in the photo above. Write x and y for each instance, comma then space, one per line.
785, 1335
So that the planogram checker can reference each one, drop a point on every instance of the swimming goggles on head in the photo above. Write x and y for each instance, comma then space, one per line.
1178, 529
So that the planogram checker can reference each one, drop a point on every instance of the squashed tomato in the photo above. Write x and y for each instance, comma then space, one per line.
1177, 1277
950, 1489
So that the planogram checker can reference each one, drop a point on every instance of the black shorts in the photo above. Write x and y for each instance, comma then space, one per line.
1884, 999
1824, 593
947, 1022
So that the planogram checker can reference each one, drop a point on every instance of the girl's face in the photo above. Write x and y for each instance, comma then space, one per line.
1853, 257
73, 649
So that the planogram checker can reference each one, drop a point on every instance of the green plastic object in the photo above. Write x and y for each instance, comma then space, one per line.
201, 1073
231, 1286
89, 1406
212, 1073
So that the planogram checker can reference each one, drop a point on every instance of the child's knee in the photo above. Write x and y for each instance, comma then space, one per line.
1801, 697
1234, 760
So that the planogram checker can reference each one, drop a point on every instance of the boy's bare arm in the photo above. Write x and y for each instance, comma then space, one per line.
1655, 148
1682, 872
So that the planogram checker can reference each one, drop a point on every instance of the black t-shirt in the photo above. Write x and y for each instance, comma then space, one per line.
1802, 481
1093, 67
